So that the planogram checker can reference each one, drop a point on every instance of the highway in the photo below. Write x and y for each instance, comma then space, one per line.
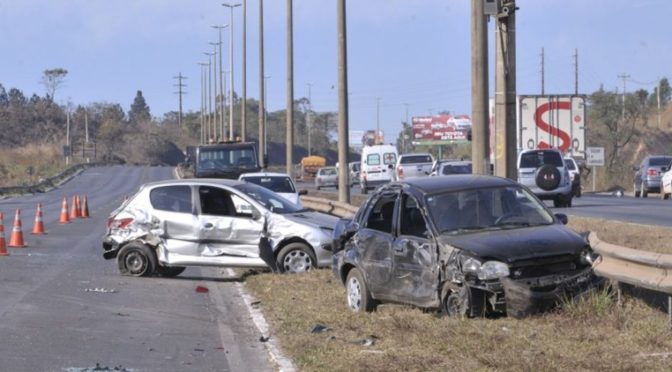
63, 307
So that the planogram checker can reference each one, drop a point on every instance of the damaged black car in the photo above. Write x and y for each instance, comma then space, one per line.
469, 245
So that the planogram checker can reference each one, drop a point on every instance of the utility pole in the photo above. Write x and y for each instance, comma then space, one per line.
203, 97
222, 89
231, 69
658, 101
309, 117
209, 123
505, 92
375, 138
625, 77
576, 72
290, 91
266, 115
262, 90
480, 145
179, 92
243, 105
542, 71
217, 113
405, 135
343, 145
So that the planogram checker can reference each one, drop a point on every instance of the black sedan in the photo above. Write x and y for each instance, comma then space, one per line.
471, 245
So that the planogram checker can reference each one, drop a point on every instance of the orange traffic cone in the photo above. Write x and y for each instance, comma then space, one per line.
74, 213
85, 208
16, 240
79, 206
38, 226
3, 246
64, 212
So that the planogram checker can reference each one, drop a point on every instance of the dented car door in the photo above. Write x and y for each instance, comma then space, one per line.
415, 277
226, 224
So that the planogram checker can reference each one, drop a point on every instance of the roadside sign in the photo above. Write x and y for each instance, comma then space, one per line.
595, 156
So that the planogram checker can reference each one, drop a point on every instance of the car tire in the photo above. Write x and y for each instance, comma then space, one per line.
296, 258
357, 293
136, 259
547, 177
665, 196
170, 271
634, 189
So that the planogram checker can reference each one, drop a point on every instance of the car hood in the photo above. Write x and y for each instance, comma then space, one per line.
519, 244
313, 218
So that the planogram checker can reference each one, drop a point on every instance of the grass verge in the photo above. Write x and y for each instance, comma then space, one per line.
589, 334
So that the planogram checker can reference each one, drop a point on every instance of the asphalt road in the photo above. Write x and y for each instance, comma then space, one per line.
648, 211
64, 308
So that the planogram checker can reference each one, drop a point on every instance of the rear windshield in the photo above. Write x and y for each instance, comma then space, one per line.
660, 161
275, 183
540, 158
456, 169
410, 159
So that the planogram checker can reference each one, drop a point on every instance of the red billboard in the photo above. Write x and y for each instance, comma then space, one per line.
439, 129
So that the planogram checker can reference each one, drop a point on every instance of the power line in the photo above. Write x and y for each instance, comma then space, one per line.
180, 93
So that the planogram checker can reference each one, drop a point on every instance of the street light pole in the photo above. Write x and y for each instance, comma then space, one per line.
214, 69
222, 90
290, 92
231, 68
262, 89
265, 115
309, 123
208, 125
243, 105
203, 130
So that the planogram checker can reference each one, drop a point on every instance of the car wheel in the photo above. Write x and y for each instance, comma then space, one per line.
136, 259
170, 271
666, 196
296, 258
634, 188
357, 293
547, 177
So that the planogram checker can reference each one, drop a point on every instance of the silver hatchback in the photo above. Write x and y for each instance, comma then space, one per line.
214, 222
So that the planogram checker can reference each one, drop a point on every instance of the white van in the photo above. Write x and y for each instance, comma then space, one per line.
378, 164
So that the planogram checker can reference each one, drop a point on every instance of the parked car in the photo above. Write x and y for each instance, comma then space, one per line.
574, 175
378, 164
413, 165
354, 168
280, 183
448, 167
647, 175
545, 173
666, 182
168, 225
472, 245
326, 177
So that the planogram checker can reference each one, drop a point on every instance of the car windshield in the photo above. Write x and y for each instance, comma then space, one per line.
270, 200
456, 169
281, 184
227, 158
465, 211
536, 159
328, 172
660, 161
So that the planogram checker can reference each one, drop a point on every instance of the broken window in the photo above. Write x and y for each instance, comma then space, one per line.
412, 221
381, 215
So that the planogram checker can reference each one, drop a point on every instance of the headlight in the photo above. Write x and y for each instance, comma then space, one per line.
493, 270
471, 265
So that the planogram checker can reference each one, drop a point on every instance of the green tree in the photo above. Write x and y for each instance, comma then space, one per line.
139, 110
665, 94
52, 79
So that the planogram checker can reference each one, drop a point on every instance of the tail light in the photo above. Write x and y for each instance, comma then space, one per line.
118, 224
400, 172
652, 172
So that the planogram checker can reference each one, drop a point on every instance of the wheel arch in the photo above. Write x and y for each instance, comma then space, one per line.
294, 239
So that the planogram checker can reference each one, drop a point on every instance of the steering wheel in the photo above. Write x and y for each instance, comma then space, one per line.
504, 217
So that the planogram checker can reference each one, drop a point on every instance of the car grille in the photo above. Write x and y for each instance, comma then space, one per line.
534, 268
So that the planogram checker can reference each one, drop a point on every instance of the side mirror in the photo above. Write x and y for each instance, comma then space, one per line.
303, 192
390, 166
664, 169
562, 218
255, 214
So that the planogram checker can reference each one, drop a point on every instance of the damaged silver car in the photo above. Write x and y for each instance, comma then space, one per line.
214, 222
470, 245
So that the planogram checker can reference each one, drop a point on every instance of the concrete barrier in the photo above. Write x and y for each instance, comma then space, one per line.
336, 208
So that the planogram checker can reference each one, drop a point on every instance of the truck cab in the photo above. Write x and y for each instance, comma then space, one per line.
225, 160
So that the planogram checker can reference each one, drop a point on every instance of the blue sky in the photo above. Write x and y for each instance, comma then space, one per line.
414, 52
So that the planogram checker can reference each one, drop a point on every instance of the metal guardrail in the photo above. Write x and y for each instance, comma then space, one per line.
642, 269
48, 183
336, 208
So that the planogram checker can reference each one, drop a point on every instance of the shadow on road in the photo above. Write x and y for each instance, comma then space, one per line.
239, 278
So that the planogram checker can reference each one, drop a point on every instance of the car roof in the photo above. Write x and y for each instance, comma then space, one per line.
431, 185
196, 181
264, 174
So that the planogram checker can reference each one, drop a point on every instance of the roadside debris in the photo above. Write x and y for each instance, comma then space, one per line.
369, 341
98, 368
201, 289
101, 290
319, 328
264, 338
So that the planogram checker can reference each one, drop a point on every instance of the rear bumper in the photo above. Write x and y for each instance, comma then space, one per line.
110, 248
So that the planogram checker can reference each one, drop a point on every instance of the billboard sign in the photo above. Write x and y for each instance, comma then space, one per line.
440, 129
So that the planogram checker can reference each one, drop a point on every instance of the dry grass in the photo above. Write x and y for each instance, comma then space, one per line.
592, 334
46, 160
